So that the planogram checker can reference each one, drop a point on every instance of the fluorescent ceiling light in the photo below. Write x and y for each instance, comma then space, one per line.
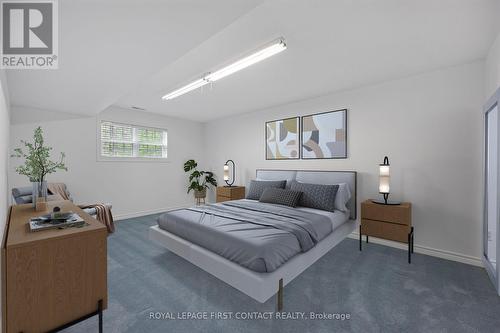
187, 88
274, 48
265, 53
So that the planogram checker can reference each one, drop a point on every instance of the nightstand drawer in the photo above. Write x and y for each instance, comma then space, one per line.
392, 231
231, 192
400, 214
222, 199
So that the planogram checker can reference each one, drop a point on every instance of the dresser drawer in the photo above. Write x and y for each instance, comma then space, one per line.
391, 231
400, 214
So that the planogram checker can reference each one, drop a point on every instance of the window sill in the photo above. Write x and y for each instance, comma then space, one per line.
132, 159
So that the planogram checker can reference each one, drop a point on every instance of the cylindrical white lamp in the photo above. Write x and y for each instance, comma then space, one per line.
226, 173
384, 178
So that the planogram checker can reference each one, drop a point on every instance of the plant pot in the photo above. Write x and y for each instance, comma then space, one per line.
200, 194
39, 192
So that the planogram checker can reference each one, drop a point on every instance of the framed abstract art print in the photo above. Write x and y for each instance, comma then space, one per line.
282, 139
324, 135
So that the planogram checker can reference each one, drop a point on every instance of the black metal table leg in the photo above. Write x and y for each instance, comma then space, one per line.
98, 313
409, 247
367, 238
99, 309
360, 239
412, 240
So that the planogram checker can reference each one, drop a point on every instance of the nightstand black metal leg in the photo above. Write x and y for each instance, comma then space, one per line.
412, 240
409, 247
360, 240
367, 238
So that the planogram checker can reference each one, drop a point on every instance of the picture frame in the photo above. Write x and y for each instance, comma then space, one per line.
324, 135
282, 138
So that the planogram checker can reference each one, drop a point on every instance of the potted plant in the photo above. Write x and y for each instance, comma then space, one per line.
37, 164
199, 181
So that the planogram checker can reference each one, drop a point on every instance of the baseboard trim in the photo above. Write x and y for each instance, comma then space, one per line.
145, 213
443, 254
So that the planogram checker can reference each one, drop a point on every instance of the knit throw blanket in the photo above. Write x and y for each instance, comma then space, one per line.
103, 215
58, 188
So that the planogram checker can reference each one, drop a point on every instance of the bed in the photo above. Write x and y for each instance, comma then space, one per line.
239, 264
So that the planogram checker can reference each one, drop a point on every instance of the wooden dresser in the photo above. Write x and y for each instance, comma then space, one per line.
52, 278
392, 222
226, 193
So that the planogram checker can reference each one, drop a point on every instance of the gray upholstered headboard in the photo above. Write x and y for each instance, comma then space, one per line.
316, 177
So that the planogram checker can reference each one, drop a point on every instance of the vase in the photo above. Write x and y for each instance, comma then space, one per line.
39, 192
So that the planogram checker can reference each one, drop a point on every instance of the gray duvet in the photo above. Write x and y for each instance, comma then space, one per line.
258, 236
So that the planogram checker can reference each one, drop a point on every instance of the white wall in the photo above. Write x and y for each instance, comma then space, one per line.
492, 68
430, 127
4, 151
133, 188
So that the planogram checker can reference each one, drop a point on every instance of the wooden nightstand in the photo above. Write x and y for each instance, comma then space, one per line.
226, 193
391, 222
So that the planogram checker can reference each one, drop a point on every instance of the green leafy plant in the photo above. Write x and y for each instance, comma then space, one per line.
37, 164
198, 180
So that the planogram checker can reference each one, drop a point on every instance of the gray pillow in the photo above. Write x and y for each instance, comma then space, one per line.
316, 195
24, 200
280, 196
22, 191
258, 186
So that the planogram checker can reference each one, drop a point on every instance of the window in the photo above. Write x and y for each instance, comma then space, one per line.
129, 141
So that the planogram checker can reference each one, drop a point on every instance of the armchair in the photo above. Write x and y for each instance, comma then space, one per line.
24, 195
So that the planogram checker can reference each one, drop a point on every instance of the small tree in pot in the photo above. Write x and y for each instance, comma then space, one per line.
199, 181
37, 164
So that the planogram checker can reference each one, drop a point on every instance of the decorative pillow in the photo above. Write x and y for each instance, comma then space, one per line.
316, 195
22, 191
258, 186
342, 197
280, 196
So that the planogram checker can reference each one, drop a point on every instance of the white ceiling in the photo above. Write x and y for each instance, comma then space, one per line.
127, 54
108, 46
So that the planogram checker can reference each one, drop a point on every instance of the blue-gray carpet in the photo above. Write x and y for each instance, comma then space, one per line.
377, 287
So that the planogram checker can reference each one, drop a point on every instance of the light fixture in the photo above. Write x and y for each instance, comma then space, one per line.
384, 183
273, 48
226, 173
187, 88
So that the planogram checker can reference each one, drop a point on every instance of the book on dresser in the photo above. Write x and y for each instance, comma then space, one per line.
49, 221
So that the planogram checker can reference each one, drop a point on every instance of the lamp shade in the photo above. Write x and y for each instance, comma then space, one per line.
384, 177
383, 186
229, 175
384, 170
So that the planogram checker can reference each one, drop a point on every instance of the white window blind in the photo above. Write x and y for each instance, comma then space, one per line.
129, 141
